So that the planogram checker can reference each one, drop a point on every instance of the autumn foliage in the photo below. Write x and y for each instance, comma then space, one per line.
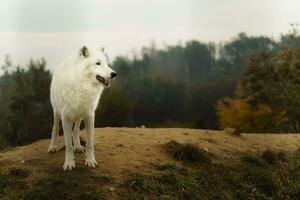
268, 96
240, 114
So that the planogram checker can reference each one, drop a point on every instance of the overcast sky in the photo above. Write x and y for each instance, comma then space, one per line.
56, 28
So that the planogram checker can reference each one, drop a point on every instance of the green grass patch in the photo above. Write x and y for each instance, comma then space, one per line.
167, 166
12, 184
119, 145
273, 157
67, 188
163, 186
266, 176
7, 149
189, 153
253, 160
79, 184
18, 173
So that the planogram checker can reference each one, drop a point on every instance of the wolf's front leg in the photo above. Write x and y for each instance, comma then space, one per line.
90, 157
70, 159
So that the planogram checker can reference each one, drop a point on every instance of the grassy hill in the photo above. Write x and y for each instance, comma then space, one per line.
144, 163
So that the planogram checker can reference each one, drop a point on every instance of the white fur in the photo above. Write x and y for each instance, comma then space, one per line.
75, 93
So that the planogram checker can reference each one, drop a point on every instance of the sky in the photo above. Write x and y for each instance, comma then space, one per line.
54, 29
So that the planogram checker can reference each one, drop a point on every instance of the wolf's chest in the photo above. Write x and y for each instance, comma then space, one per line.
81, 100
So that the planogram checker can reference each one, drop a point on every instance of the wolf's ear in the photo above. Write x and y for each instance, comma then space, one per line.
84, 52
102, 49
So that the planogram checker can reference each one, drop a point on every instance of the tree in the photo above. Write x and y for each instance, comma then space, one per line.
234, 53
199, 59
271, 81
30, 110
114, 109
238, 113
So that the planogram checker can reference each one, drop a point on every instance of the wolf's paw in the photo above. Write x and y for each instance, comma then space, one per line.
69, 164
53, 149
92, 163
79, 149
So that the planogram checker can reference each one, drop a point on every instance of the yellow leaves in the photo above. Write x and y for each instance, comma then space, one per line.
238, 113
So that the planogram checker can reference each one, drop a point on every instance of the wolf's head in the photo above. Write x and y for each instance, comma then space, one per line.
96, 66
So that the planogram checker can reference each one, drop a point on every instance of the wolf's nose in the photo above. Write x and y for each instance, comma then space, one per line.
113, 74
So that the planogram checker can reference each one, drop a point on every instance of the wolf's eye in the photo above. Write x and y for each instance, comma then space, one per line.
98, 63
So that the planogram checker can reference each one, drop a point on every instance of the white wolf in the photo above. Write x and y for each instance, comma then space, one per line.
76, 87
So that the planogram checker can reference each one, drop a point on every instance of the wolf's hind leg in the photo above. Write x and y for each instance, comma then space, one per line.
54, 135
76, 139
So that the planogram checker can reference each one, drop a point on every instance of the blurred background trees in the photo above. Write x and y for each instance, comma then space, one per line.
26, 116
249, 83
267, 98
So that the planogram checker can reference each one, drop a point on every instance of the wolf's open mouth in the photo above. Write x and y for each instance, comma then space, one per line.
102, 80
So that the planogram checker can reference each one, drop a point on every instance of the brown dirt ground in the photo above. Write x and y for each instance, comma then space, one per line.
119, 150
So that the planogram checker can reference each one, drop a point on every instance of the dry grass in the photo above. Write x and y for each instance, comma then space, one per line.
147, 163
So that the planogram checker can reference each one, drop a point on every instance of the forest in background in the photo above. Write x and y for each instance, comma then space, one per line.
249, 83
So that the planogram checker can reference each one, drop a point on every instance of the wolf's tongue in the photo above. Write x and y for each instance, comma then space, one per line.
102, 80
99, 78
